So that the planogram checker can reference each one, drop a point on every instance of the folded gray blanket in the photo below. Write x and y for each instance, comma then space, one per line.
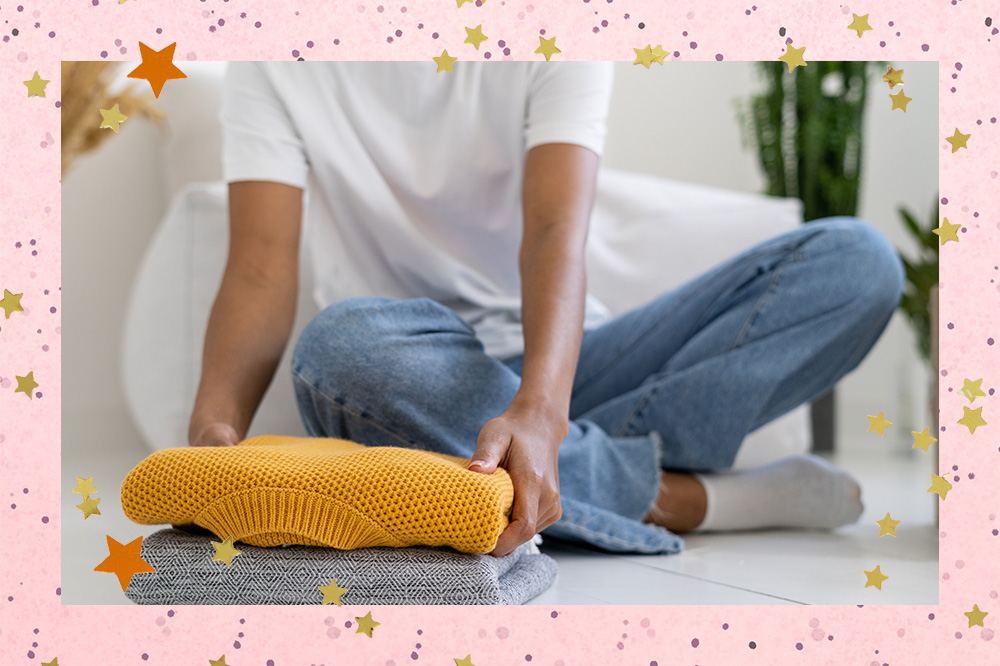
186, 574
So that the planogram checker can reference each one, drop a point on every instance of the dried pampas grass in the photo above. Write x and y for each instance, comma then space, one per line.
85, 91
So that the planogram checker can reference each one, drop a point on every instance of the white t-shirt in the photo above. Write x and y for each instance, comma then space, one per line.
413, 178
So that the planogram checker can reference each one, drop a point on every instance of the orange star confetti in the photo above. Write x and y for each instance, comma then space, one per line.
124, 561
157, 67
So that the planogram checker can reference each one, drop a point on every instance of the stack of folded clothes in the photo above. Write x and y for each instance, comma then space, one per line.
392, 525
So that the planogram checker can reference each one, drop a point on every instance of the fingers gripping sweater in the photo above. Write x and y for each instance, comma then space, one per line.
271, 490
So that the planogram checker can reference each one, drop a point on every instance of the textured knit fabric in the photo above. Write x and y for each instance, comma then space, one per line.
270, 490
186, 574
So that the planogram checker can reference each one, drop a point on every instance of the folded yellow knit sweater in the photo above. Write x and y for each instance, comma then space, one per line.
270, 490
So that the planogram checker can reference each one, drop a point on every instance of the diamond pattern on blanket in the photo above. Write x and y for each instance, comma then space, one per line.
291, 575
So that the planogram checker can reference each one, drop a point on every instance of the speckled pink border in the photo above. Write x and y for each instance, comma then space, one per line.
35, 628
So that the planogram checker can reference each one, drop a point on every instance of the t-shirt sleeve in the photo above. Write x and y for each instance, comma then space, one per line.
568, 103
259, 139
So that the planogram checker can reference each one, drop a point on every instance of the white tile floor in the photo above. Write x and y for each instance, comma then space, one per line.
774, 567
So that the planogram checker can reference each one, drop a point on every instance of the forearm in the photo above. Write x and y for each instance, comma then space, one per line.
557, 197
553, 290
248, 329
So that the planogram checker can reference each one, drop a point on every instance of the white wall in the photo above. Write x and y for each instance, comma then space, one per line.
677, 121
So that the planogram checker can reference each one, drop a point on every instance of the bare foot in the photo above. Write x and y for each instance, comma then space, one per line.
680, 503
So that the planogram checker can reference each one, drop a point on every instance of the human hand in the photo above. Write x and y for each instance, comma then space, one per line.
524, 441
216, 434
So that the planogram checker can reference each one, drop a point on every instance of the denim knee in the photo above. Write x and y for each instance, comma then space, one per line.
872, 270
353, 339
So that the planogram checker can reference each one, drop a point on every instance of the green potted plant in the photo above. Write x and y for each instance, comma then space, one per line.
921, 276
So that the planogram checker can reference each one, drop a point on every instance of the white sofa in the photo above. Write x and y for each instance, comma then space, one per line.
647, 235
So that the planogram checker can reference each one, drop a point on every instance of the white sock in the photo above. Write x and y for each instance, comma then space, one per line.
798, 491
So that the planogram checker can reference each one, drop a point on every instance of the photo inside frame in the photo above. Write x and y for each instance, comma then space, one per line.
701, 161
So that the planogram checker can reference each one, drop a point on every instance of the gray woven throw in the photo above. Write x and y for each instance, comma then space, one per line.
186, 574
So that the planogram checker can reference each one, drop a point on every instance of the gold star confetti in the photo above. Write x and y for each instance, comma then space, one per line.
366, 624
958, 140
793, 57
444, 62
875, 577
659, 54
878, 423
26, 384
900, 100
973, 419
54, 662
973, 389
475, 36
643, 56
157, 67
332, 592
121, 2
221, 661
462, 2
939, 485
89, 507
36, 85
860, 24
85, 486
124, 561
547, 47
112, 118
976, 616
887, 525
465, 662
893, 77
922, 439
225, 551
11, 303
947, 231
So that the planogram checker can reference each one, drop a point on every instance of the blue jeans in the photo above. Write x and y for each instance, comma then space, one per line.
677, 383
